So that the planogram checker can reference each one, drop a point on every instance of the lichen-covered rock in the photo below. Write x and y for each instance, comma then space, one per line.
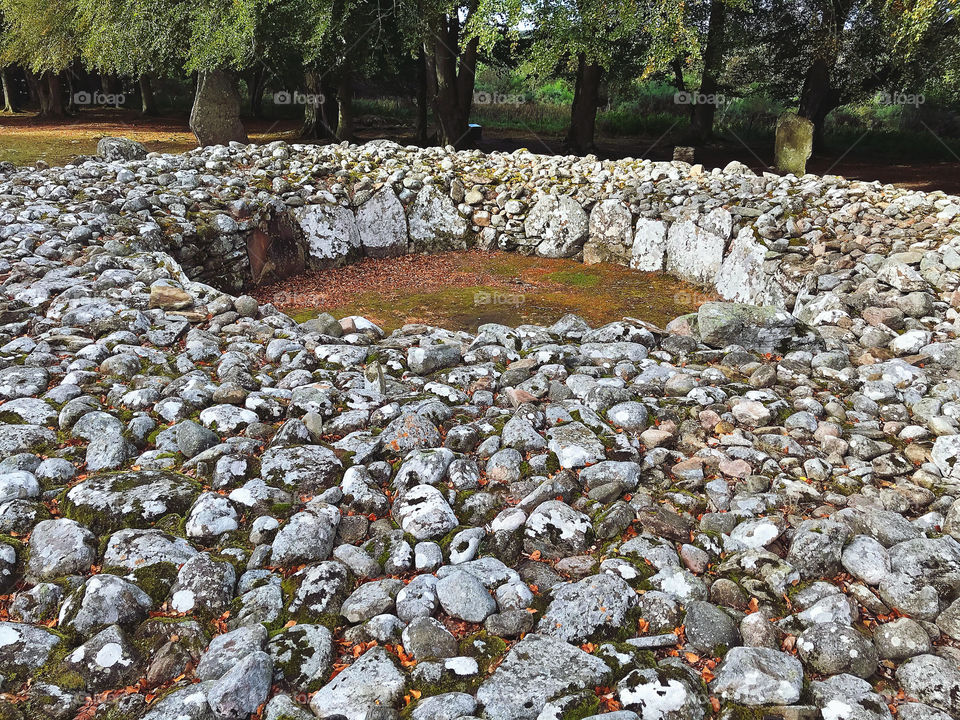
662, 692
107, 660
535, 670
932, 680
759, 676
382, 225
559, 224
24, 649
556, 530
331, 234
693, 253
60, 547
135, 498
302, 656
372, 681
101, 601
435, 223
578, 611
763, 329
424, 513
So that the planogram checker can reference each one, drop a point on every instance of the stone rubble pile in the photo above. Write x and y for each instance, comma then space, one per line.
209, 511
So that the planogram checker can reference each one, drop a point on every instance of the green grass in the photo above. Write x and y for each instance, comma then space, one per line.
575, 278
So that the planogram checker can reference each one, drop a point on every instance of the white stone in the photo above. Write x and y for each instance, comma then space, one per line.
649, 245
742, 277
435, 223
693, 254
382, 225
331, 233
611, 223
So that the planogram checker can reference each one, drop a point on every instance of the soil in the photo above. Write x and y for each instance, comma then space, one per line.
463, 290
24, 139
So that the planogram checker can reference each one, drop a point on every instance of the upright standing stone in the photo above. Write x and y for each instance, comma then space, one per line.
794, 144
383, 225
215, 117
331, 234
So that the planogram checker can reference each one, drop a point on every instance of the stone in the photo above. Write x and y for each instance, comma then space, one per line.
107, 660
307, 536
228, 649
763, 329
424, 513
101, 601
464, 597
817, 547
241, 690
575, 445
331, 234
742, 278
60, 547
435, 223
535, 670
660, 693
24, 649
559, 223
692, 253
793, 143
901, 639
372, 680
556, 530
135, 498
758, 676
831, 648
579, 610
215, 117
709, 628
169, 297
120, 148
425, 638
932, 680
382, 225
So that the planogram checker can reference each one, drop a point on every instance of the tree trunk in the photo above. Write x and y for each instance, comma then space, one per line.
705, 109
51, 93
147, 103
345, 102
817, 98
677, 66
256, 85
320, 119
9, 101
583, 111
422, 101
109, 85
215, 116
455, 81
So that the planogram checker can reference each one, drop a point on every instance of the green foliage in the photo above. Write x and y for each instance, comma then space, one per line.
38, 35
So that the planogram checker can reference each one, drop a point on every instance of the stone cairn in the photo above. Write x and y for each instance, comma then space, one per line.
211, 512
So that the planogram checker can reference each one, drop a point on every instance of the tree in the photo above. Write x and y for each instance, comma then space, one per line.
42, 38
841, 51
592, 38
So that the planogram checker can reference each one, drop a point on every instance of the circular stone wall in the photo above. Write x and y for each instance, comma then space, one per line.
208, 510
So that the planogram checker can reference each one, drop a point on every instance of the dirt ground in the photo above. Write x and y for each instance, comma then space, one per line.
463, 290
24, 140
